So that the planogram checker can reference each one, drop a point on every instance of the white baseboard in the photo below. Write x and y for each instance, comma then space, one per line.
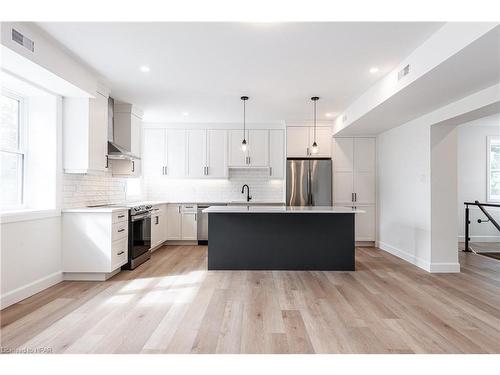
30, 289
421, 263
480, 238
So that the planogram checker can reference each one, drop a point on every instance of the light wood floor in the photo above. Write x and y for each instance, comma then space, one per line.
171, 304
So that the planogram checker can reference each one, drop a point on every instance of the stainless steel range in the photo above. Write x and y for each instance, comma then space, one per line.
139, 235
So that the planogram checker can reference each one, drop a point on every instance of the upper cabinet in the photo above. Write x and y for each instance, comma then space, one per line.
257, 152
276, 153
299, 140
209, 153
85, 129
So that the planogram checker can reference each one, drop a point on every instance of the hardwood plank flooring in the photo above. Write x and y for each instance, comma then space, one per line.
172, 304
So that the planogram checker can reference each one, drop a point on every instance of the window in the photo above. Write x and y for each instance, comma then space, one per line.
493, 178
12, 153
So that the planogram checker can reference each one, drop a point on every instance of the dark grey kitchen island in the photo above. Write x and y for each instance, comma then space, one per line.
281, 238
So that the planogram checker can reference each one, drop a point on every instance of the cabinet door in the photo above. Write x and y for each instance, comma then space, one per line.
343, 187
155, 228
237, 157
365, 224
364, 154
174, 222
364, 187
323, 140
189, 226
343, 154
217, 153
98, 132
258, 148
297, 141
276, 153
153, 156
196, 152
176, 153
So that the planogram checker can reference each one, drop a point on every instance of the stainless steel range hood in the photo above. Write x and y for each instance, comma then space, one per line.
116, 151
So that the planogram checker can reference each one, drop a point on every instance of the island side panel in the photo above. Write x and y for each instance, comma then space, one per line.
281, 241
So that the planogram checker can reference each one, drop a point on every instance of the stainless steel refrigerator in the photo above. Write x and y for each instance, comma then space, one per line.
309, 182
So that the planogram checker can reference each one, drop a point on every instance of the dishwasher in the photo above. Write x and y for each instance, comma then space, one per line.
203, 223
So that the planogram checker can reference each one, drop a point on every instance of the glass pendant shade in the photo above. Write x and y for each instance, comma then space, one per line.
244, 145
314, 148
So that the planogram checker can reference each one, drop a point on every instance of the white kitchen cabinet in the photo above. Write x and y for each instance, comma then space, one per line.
158, 226
257, 153
94, 243
196, 153
174, 222
237, 157
258, 148
181, 222
276, 153
176, 153
365, 224
216, 153
354, 181
299, 141
323, 140
154, 157
85, 129
189, 227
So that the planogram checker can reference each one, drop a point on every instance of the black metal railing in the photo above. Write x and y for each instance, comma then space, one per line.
485, 212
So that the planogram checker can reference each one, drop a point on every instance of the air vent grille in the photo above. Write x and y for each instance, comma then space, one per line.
22, 40
403, 72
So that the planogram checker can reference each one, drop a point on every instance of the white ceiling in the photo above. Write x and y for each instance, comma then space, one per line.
204, 68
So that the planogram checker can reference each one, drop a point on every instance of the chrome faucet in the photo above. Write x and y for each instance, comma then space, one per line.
248, 192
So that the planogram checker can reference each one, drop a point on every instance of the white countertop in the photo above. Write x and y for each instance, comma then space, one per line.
282, 209
96, 209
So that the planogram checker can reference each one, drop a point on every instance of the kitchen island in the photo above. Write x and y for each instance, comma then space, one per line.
281, 238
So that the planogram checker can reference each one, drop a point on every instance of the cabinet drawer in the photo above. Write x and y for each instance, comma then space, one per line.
119, 253
189, 208
120, 216
120, 230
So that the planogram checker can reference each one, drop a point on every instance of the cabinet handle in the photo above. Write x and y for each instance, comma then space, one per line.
133, 166
121, 216
120, 253
166, 170
352, 197
249, 160
195, 216
121, 230
179, 209
107, 162
355, 197
157, 220
270, 171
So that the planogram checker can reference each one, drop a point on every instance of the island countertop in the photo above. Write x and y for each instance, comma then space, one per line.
283, 209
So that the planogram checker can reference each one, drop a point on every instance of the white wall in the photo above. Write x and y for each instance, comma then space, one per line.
472, 170
189, 190
403, 156
30, 258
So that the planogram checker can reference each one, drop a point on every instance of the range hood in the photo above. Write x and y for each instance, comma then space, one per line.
116, 151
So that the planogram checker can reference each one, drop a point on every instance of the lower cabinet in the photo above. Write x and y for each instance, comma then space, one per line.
94, 244
158, 226
182, 222
365, 224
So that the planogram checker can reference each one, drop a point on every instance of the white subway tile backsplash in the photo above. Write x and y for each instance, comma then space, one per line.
205, 190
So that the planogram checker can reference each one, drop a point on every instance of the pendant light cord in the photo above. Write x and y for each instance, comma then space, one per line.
244, 117
314, 120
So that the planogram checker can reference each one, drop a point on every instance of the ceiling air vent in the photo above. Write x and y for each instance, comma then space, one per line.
22, 40
403, 72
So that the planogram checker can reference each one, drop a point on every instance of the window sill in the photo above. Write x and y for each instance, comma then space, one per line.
14, 216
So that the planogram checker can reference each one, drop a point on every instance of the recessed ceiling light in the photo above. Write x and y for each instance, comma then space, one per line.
185, 113
374, 70
144, 68
329, 114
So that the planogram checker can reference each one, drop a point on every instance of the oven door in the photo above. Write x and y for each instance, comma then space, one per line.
140, 239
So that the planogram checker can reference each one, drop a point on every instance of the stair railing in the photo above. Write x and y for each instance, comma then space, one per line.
485, 212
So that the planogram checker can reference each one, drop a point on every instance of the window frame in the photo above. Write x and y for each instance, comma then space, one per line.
489, 140
22, 147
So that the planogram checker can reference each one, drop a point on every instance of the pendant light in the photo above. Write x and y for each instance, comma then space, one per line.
244, 142
314, 148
